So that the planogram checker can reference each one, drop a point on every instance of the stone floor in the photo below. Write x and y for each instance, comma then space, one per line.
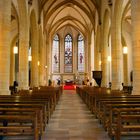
73, 121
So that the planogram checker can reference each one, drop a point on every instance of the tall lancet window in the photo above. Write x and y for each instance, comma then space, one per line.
55, 55
68, 53
81, 54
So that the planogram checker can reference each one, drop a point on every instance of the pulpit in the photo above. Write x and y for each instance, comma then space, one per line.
97, 75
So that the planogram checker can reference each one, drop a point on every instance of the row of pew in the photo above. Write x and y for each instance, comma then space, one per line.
27, 112
118, 112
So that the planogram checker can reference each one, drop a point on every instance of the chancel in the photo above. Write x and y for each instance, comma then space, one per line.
69, 82
69, 69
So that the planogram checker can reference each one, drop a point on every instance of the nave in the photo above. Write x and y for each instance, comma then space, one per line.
72, 120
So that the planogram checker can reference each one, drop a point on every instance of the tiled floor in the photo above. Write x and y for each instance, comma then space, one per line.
73, 121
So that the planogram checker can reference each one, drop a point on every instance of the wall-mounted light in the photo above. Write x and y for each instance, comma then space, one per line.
29, 58
38, 63
15, 50
100, 62
46, 67
125, 50
109, 58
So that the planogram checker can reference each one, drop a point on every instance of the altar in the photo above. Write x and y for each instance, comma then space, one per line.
69, 82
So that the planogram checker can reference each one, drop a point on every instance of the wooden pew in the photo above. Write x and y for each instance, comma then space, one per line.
14, 123
102, 101
43, 100
51, 94
107, 114
57, 89
28, 101
126, 122
40, 97
22, 111
106, 105
91, 95
88, 93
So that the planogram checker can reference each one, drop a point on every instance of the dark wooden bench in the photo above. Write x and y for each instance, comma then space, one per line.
20, 122
126, 122
102, 102
25, 103
51, 94
30, 102
107, 114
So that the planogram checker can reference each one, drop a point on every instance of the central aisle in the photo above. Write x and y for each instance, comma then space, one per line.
73, 121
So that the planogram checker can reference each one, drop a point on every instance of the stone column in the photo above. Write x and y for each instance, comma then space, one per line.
5, 21
49, 56
61, 57
23, 45
47, 60
23, 62
116, 49
104, 52
34, 62
104, 64
136, 45
96, 48
116, 58
75, 64
12, 66
92, 55
61, 54
125, 69
104, 59
42, 61
87, 51
89, 60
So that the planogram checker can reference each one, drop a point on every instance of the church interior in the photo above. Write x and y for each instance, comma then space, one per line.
69, 69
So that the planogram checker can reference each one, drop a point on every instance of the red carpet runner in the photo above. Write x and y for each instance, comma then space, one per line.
69, 87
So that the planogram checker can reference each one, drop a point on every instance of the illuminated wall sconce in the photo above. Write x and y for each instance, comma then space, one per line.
15, 50
38, 63
46, 67
100, 62
29, 58
125, 50
109, 58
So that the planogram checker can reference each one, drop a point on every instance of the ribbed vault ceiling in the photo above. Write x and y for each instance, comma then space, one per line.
79, 14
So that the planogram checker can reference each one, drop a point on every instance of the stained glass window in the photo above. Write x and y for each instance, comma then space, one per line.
81, 54
55, 55
68, 53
